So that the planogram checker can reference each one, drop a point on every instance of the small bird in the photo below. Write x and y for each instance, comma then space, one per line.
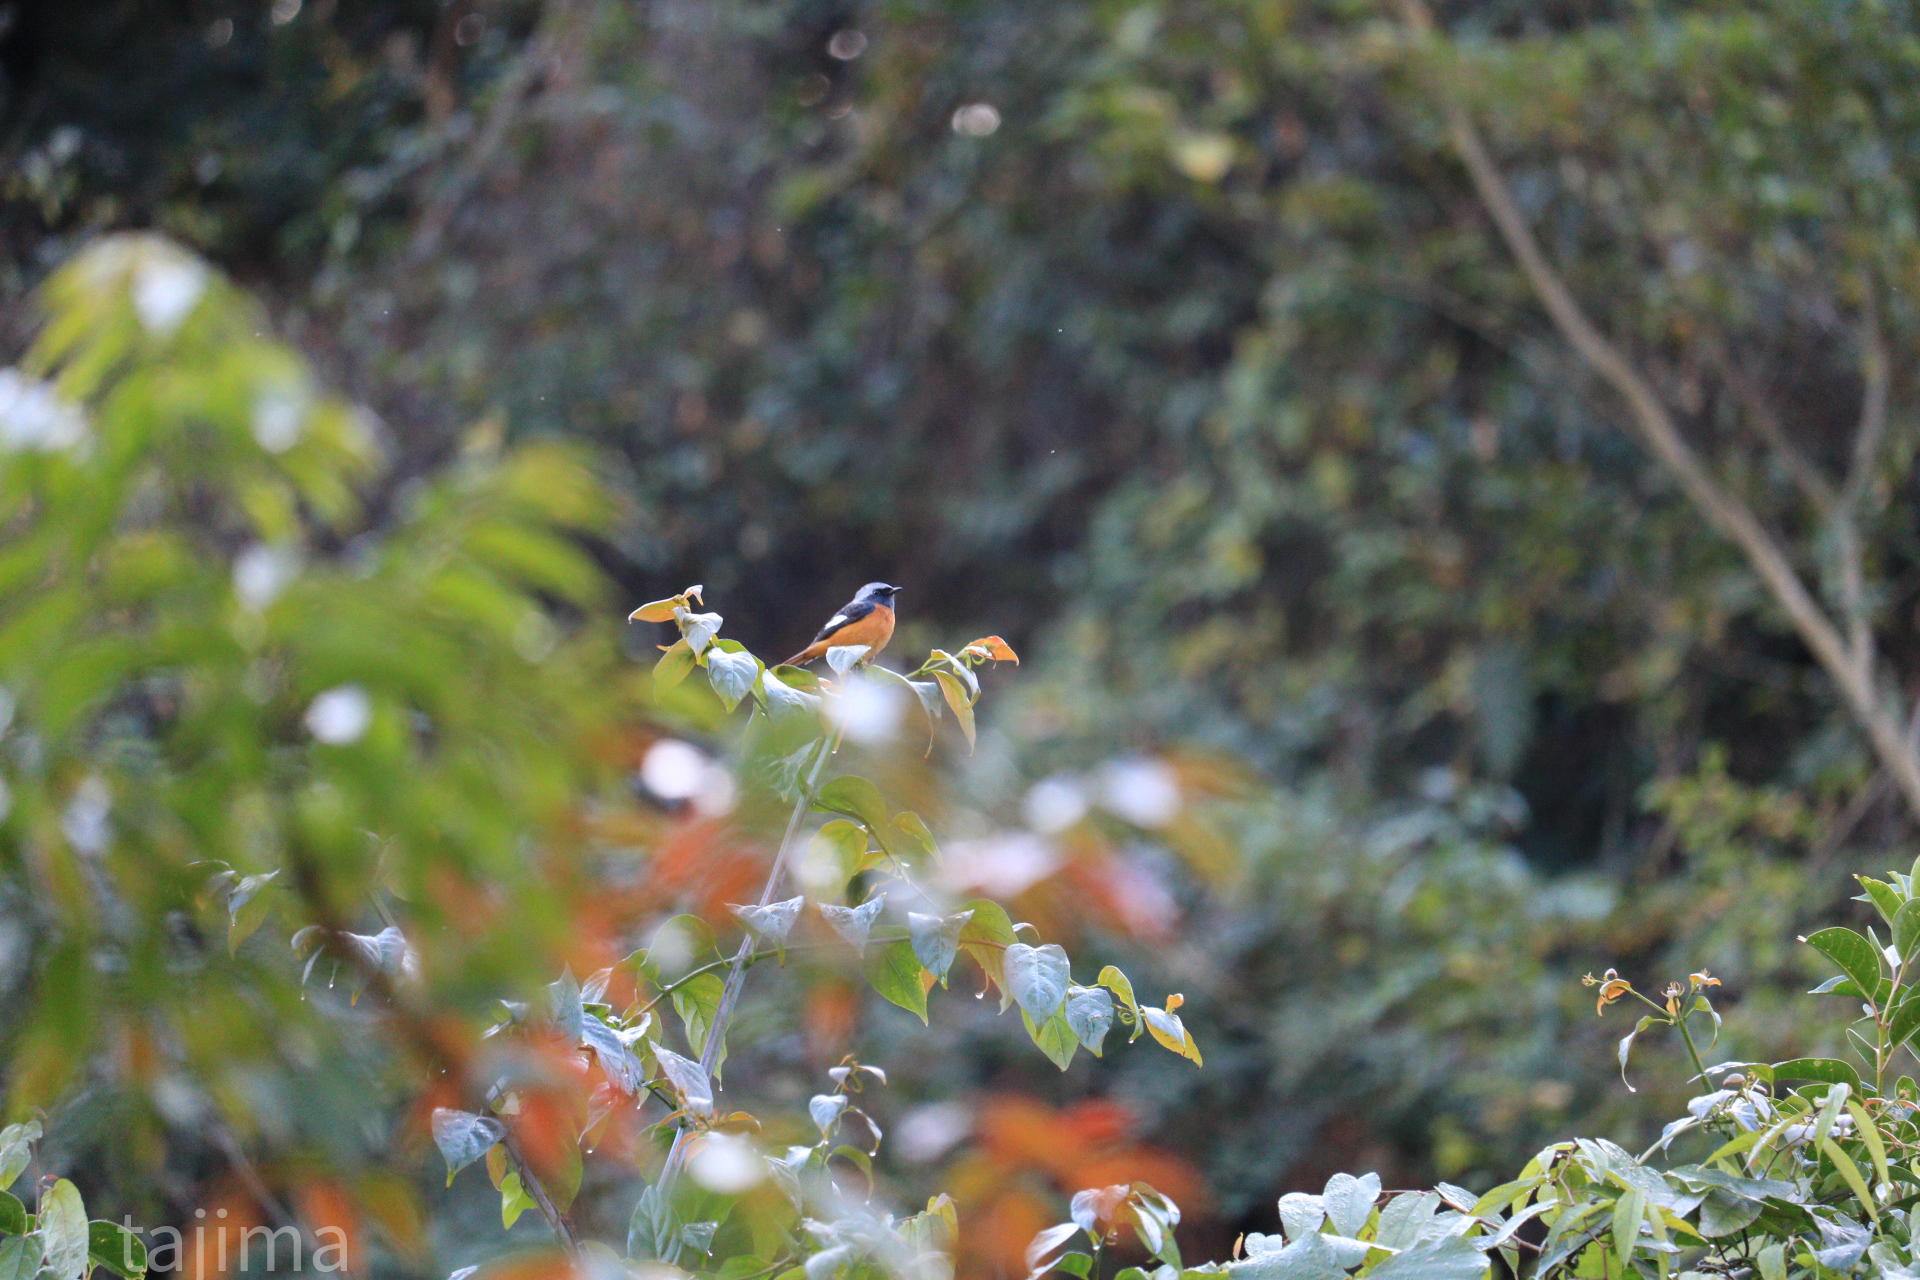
867, 620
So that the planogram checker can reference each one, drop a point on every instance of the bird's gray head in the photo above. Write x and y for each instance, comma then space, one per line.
877, 593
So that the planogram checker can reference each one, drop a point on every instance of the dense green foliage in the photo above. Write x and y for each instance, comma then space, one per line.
1203, 377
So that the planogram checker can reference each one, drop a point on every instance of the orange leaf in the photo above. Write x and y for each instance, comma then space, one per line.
997, 649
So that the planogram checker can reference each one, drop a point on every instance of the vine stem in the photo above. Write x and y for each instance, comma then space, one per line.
737, 968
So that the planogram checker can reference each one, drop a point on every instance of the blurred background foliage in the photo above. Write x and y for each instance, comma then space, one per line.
1378, 683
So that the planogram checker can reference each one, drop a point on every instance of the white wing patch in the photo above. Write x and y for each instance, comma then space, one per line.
837, 620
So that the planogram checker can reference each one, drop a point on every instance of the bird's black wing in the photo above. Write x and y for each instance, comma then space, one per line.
839, 621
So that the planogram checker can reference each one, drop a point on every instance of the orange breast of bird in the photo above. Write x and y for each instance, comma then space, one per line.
873, 631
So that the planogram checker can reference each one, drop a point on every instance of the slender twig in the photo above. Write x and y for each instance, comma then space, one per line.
737, 967
1661, 435
1760, 415
544, 1203
510, 91
1866, 451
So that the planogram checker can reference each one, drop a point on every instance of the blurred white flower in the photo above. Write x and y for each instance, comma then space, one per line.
717, 793
262, 572
869, 712
726, 1165
1000, 865
85, 821
1143, 791
167, 286
976, 120
672, 769
340, 716
33, 416
1056, 803
279, 420
928, 1132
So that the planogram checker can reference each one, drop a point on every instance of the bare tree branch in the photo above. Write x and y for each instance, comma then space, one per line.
1760, 416
1866, 451
510, 92
1657, 430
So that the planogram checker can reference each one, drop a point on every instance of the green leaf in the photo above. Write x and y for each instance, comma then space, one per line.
855, 797
1851, 1173
731, 672
832, 857
672, 668
514, 1200
841, 657
697, 1001
464, 1137
16, 1150
1038, 978
1857, 957
985, 938
936, 940
1448, 1257
679, 946
1885, 898
20, 1257
63, 1231
786, 704
1117, 982
1075, 1264
1905, 1020
13, 1216
1870, 1134
1054, 1037
1722, 1213
895, 973
1628, 1213
1626, 1048
1089, 1011
911, 837
1773, 1262
1824, 1070
1906, 928
247, 908
956, 695
119, 1250
697, 629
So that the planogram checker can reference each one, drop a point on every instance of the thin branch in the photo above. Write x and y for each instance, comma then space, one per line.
1663, 439
562, 1230
737, 970
510, 92
1760, 415
1867, 441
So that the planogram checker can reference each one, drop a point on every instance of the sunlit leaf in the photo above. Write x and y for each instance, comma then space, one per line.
1171, 1033
1853, 953
957, 699
63, 1231
1037, 977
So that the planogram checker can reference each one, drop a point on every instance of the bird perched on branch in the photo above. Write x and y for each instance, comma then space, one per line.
867, 619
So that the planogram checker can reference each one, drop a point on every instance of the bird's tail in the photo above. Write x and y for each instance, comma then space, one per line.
798, 658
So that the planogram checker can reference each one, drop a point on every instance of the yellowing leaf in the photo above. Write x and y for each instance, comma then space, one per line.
1171, 1033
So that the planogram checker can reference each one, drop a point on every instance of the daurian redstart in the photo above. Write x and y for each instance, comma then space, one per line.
867, 619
